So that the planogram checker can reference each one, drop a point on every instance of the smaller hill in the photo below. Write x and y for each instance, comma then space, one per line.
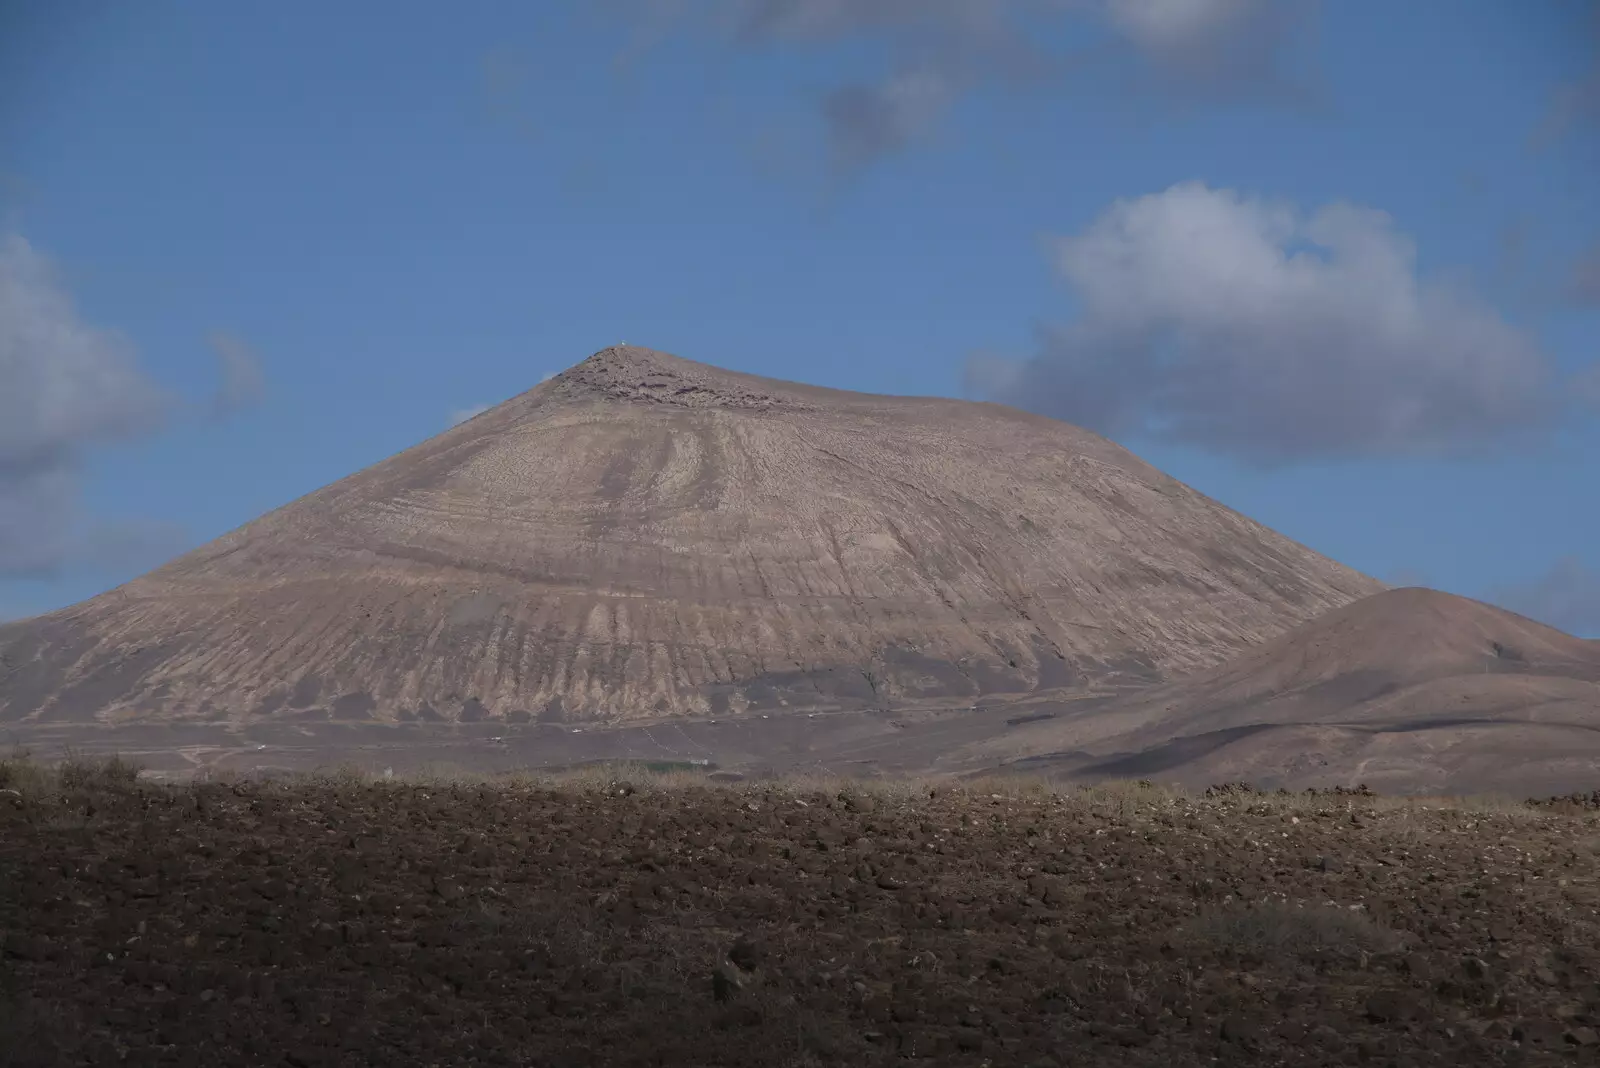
1409, 690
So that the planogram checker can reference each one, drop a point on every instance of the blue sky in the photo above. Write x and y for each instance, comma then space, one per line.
1336, 265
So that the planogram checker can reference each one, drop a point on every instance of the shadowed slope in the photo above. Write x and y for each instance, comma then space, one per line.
644, 535
1407, 690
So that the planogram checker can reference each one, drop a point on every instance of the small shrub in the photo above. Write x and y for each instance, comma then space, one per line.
1283, 929
76, 773
21, 773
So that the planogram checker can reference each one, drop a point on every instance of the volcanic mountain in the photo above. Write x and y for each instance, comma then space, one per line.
1409, 690
644, 536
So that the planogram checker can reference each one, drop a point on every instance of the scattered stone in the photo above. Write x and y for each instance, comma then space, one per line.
1291, 1031
1390, 1006
738, 1016
25, 947
727, 981
1583, 1036
1415, 964
271, 889
1240, 1030
1538, 1033
13, 810
746, 954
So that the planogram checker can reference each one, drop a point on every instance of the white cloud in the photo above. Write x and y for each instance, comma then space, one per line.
1206, 42
64, 387
461, 415
1164, 25
941, 49
243, 384
1162, 29
1251, 328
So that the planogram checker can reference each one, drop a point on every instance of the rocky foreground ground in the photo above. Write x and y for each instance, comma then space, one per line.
603, 922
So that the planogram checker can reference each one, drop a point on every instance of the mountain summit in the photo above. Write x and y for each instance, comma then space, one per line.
644, 536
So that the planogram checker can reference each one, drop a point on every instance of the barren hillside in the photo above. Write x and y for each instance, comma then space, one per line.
644, 536
1408, 689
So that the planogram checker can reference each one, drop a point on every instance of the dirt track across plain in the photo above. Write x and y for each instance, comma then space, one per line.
868, 744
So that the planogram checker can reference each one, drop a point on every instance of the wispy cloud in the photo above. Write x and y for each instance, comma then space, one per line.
458, 416
939, 50
503, 76
1575, 104
1585, 386
1225, 47
65, 387
461, 415
242, 384
1251, 328
1407, 576
1583, 286
132, 544
1567, 596
868, 121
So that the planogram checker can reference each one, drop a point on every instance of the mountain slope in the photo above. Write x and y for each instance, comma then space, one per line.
647, 536
1406, 690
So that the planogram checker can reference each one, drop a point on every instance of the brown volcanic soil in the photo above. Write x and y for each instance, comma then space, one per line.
1407, 690
390, 924
644, 536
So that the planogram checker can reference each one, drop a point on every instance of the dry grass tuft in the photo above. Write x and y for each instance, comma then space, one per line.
23, 776
30, 779
79, 773
1280, 930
